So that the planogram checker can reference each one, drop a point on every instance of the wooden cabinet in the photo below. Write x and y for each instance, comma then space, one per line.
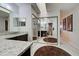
43, 33
20, 38
25, 53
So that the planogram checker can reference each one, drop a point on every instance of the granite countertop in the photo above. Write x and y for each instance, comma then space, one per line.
12, 47
11, 34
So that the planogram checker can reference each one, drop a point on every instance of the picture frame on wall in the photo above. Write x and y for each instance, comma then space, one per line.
64, 24
70, 23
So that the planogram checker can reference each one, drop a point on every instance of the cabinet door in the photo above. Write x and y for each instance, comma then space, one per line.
23, 38
20, 38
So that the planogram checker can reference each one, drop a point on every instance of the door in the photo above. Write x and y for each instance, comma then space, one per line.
50, 29
6, 25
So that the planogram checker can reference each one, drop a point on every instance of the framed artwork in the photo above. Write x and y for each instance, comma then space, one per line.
69, 23
64, 24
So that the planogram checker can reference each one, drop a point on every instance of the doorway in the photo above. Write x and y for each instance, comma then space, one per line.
50, 29
4, 20
6, 25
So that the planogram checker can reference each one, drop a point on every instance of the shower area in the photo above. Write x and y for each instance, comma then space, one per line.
45, 29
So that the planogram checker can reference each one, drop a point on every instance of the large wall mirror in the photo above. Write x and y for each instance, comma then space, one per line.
46, 29
19, 21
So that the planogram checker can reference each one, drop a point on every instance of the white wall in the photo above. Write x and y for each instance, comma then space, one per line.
13, 10
72, 38
14, 13
2, 24
34, 12
12, 7
35, 27
25, 11
42, 8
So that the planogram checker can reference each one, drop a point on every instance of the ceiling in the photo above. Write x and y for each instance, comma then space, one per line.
62, 6
42, 8
3, 14
51, 6
35, 7
65, 8
20, 4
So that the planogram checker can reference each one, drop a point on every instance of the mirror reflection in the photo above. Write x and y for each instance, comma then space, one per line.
45, 30
18, 21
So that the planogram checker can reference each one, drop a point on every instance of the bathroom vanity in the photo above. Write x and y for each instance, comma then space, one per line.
23, 37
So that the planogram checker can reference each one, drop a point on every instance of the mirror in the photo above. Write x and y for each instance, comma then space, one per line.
35, 28
47, 30
18, 21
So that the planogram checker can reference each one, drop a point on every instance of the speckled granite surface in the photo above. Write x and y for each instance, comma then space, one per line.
12, 47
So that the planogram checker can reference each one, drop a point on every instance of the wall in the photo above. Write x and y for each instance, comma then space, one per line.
72, 38
56, 12
2, 24
25, 11
34, 13
49, 11
14, 13
35, 27
13, 10
42, 8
